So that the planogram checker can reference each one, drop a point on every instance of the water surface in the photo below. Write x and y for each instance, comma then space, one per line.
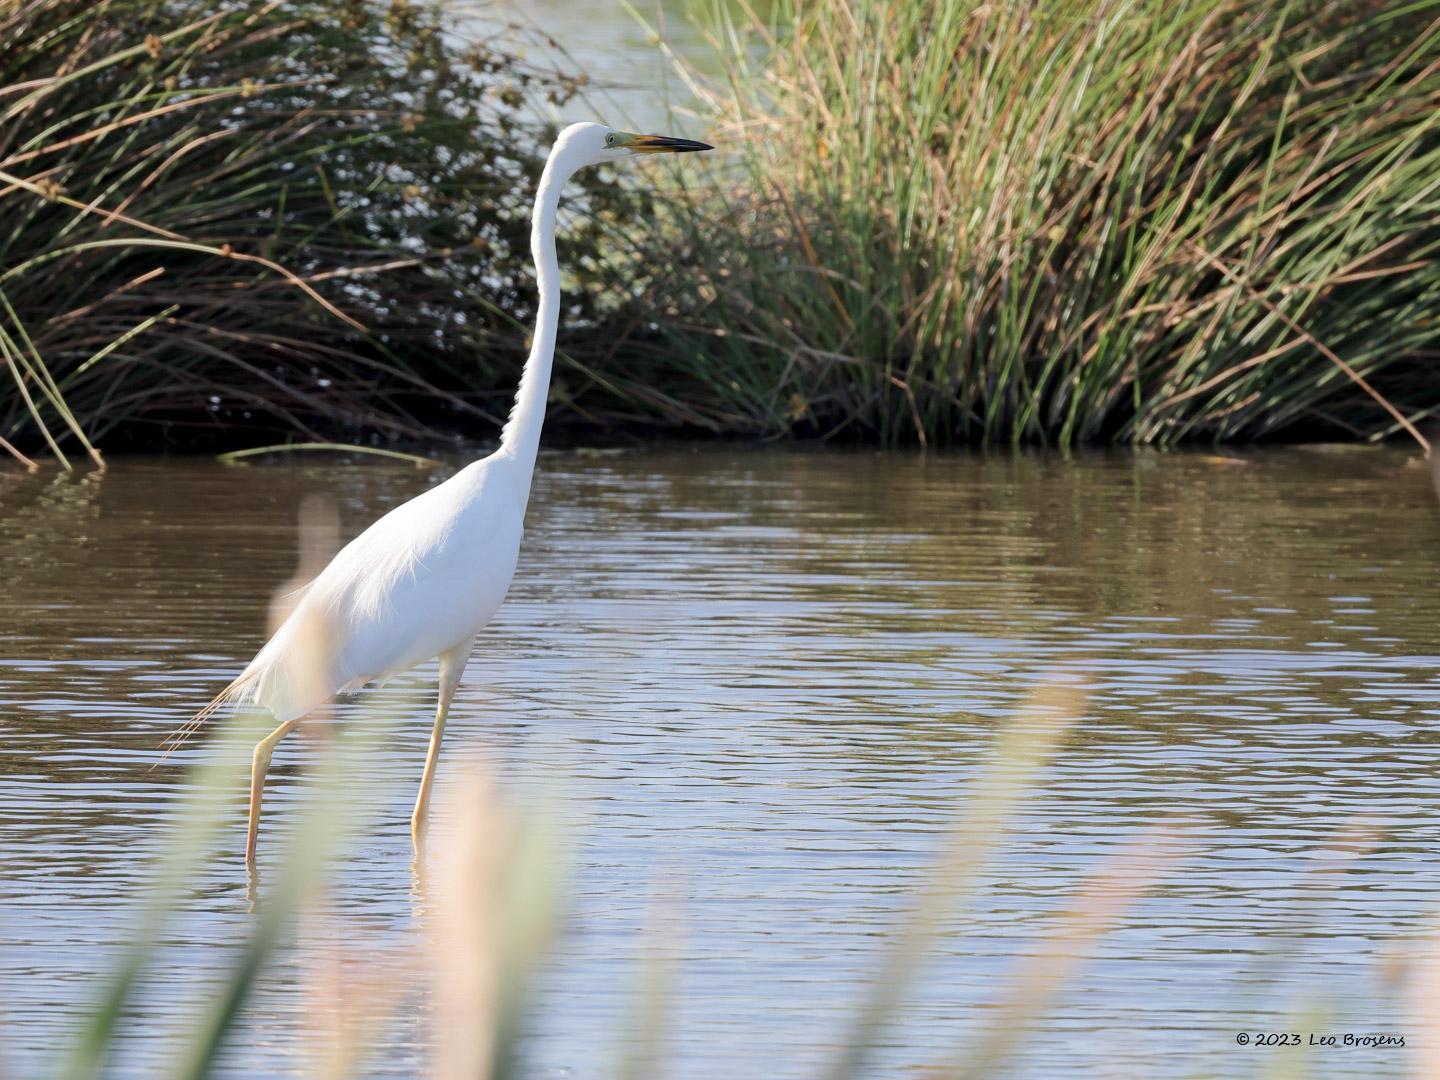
765, 681
631, 82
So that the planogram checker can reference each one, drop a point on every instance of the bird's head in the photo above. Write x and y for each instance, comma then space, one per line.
596, 144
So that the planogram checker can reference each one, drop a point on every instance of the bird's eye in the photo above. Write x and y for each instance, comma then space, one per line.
610, 139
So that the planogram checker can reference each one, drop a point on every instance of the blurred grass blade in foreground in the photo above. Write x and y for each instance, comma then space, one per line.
1024, 747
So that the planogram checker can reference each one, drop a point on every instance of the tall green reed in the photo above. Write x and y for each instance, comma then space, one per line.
1067, 220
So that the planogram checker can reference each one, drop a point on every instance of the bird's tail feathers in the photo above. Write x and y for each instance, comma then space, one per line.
239, 692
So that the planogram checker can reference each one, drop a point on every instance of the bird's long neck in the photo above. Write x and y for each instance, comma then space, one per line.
521, 438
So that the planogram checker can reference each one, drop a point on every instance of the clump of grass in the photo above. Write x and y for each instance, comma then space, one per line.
306, 217
1069, 220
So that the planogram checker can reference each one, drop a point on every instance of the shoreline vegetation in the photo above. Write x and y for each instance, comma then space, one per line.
1077, 220
1064, 222
269, 219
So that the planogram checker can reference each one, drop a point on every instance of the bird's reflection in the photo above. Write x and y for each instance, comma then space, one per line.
420, 886
252, 888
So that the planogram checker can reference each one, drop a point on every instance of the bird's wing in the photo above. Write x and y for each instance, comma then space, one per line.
422, 577
424, 582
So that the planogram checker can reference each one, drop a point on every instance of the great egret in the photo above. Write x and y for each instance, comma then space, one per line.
423, 580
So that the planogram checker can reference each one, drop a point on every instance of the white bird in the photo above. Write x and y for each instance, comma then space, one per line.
422, 581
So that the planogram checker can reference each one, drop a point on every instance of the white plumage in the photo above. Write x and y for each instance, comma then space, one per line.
424, 578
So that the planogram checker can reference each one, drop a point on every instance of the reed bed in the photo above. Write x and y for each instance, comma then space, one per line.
308, 218
1056, 221
1067, 220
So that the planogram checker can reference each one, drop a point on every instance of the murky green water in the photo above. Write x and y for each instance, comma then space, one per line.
767, 678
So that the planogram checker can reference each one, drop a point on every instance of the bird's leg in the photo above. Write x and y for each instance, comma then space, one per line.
452, 666
263, 749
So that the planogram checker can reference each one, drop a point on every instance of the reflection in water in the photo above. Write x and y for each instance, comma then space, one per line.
773, 674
